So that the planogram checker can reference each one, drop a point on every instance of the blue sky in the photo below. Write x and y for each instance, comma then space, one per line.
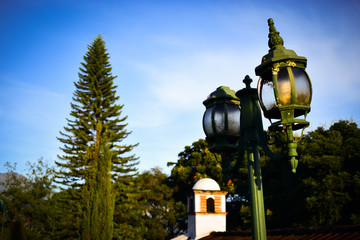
168, 56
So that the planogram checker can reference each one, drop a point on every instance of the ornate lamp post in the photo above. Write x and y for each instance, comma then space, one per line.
284, 92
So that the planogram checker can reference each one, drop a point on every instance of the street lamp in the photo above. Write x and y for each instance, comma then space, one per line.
221, 120
284, 92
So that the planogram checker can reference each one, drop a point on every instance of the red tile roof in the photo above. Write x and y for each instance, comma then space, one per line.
302, 233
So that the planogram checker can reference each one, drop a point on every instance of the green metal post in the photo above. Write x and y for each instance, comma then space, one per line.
250, 127
256, 191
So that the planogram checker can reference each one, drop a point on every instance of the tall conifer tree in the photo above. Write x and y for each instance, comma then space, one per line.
94, 160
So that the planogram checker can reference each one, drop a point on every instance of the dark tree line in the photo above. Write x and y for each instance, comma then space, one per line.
326, 188
34, 209
324, 191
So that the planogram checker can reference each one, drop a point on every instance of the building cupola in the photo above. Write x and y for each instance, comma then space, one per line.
206, 209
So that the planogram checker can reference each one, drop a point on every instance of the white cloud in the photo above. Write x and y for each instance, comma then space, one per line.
178, 82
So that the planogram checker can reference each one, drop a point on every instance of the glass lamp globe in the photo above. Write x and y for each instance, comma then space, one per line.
221, 120
288, 88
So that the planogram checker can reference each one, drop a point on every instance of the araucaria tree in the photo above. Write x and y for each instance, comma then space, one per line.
94, 161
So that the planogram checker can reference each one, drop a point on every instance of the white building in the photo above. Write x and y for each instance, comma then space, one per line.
206, 210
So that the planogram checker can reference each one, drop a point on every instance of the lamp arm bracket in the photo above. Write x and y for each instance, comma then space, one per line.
264, 145
302, 131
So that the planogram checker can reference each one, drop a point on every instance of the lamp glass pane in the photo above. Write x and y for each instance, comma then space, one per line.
266, 95
219, 118
207, 122
284, 87
302, 86
233, 119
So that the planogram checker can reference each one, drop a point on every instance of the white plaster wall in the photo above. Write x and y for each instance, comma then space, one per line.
205, 224
223, 204
197, 203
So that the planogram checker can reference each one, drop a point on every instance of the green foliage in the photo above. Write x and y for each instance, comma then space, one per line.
28, 209
332, 157
194, 163
327, 193
325, 189
99, 194
95, 164
128, 211
161, 214
66, 215
94, 103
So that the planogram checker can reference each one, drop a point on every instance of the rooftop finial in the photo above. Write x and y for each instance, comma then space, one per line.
274, 36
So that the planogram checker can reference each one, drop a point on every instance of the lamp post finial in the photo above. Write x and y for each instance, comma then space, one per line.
274, 35
247, 80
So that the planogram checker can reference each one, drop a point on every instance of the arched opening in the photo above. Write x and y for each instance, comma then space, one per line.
210, 205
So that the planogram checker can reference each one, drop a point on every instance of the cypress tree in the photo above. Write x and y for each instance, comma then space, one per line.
94, 160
